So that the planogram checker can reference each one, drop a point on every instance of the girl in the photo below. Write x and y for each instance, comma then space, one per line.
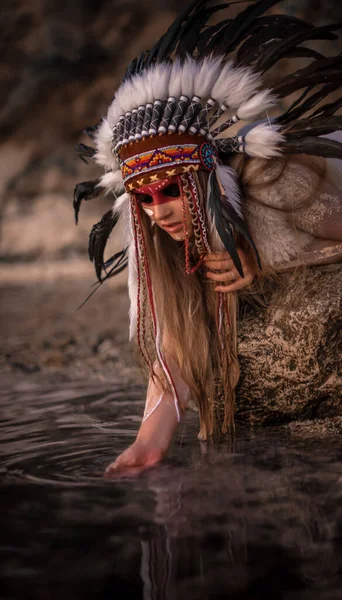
222, 187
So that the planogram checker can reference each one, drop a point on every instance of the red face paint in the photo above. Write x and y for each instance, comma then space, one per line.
159, 192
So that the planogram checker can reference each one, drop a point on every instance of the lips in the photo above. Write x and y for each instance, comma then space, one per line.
173, 227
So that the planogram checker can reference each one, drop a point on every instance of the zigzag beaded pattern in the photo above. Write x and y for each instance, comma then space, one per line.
159, 158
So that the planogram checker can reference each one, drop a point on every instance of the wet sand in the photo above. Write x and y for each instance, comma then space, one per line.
45, 336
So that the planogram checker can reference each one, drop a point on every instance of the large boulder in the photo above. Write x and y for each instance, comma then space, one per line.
291, 351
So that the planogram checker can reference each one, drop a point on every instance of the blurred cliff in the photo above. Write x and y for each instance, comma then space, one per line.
61, 63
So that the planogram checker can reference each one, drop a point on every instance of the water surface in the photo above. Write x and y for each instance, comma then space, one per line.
254, 517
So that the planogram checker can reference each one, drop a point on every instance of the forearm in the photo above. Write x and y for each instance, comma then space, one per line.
163, 410
159, 427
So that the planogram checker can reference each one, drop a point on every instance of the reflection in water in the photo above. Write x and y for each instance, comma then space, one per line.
260, 516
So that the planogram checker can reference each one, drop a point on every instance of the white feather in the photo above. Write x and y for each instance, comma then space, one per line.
103, 142
190, 70
175, 83
160, 81
258, 103
242, 86
263, 141
235, 85
121, 206
119, 104
207, 75
228, 179
111, 181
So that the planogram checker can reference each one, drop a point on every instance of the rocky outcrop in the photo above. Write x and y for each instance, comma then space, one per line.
291, 352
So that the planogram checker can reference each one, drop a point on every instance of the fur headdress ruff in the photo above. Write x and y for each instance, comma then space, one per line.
197, 97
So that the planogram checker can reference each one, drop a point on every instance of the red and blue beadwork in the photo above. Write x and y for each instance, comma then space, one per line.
208, 156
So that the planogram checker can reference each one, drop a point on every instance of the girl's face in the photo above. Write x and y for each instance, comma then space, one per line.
162, 201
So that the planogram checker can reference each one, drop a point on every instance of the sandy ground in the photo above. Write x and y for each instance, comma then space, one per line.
44, 335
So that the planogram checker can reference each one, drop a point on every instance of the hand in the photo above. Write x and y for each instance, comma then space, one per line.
222, 269
139, 456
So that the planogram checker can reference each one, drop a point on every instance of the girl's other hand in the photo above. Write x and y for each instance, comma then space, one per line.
221, 269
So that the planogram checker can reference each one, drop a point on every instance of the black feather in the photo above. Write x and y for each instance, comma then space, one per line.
278, 50
229, 213
121, 262
91, 131
130, 69
327, 71
238, 28
314, 127
315, 146
85, 152
98, 239
118, 262
86, 190
302, 106
189, 35
167, 43
264, 32
327, 110
222, 224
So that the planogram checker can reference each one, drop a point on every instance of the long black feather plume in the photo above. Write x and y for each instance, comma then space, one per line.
301, 106
119, 263
314, 127
266, 32
188, 39
86, 190
222, 224
85, 152
91, 131
278, 50
98, 239
324, 71
238, 28
315, 146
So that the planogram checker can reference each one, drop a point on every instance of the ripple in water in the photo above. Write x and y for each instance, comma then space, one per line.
255, 517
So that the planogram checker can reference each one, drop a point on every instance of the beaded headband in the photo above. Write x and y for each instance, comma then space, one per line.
165, 156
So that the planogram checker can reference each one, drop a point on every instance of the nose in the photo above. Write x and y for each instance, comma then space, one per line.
162, 211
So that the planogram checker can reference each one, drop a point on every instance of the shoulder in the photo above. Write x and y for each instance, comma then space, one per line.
284, 183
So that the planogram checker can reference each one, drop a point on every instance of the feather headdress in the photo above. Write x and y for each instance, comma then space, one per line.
185, 98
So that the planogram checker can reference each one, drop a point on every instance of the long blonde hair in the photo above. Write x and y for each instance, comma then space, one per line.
187, 311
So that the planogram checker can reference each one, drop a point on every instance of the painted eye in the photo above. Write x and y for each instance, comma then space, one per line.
144, 198
172, 190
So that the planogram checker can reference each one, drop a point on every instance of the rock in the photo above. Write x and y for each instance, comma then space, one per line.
291, 352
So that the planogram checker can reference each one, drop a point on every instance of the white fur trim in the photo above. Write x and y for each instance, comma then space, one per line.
277, 241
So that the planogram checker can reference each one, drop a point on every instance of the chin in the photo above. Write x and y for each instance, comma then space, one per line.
178, 237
